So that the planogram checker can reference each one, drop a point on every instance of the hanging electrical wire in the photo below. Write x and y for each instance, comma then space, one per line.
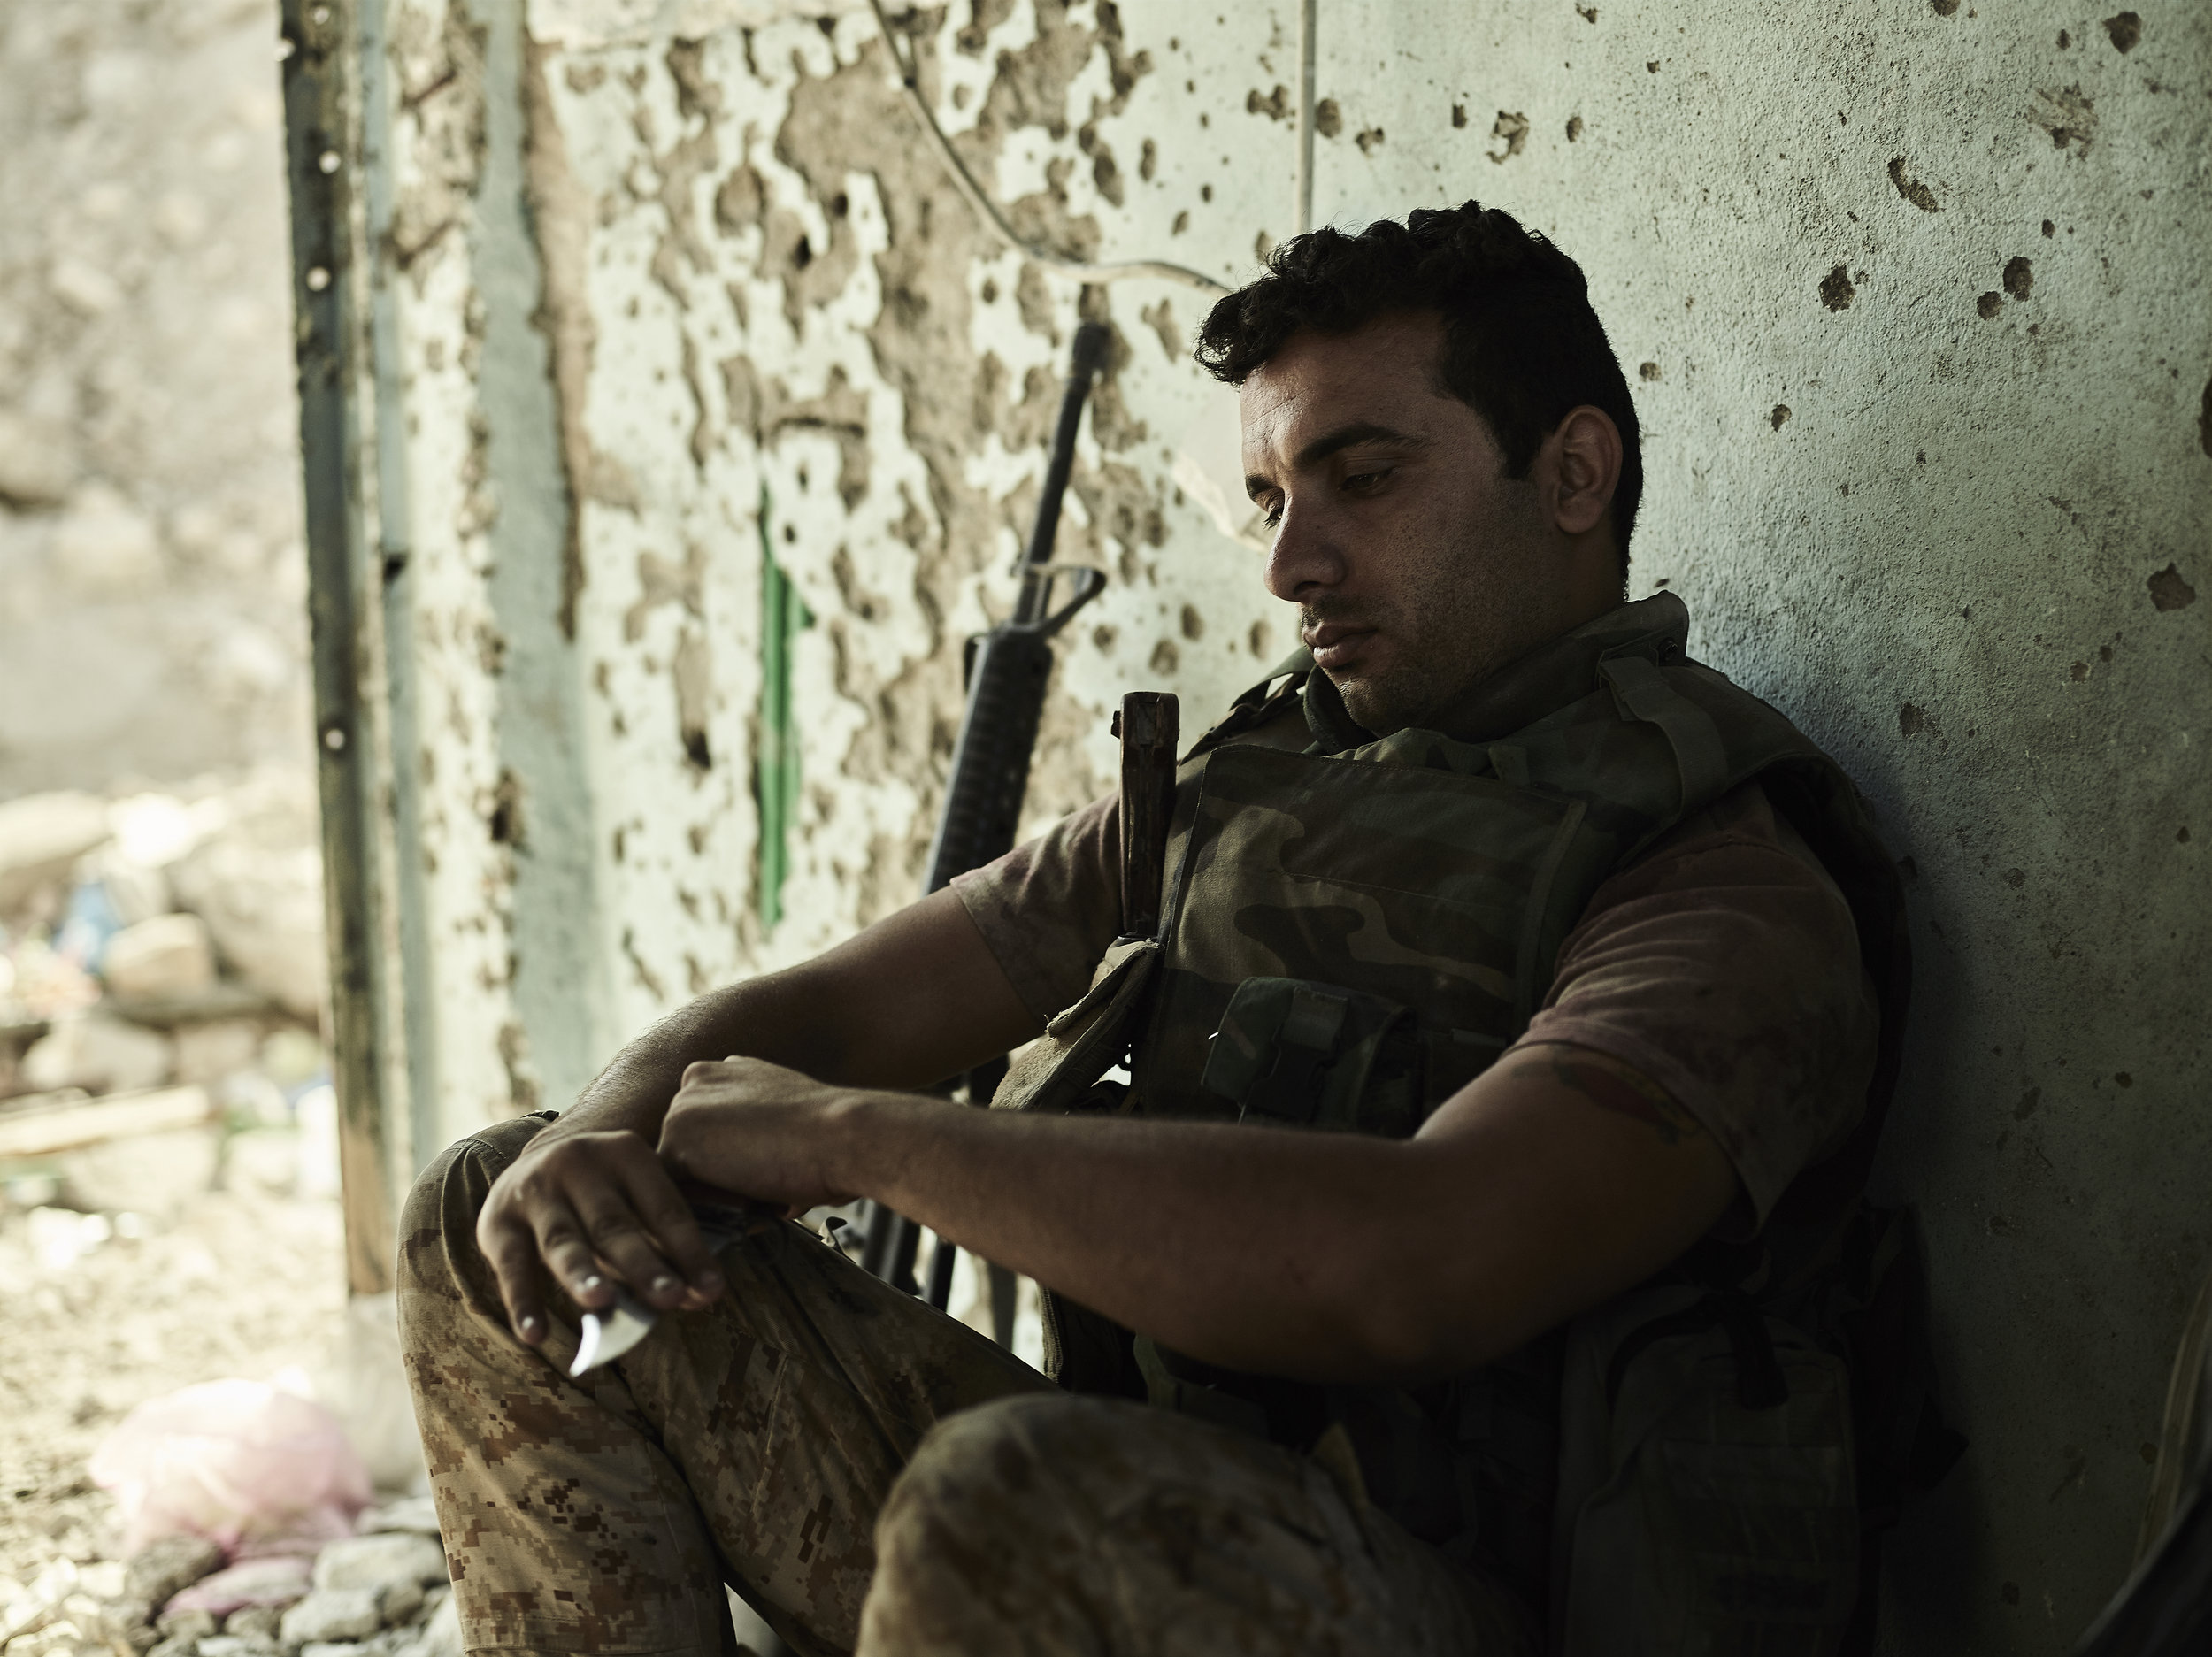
989, 210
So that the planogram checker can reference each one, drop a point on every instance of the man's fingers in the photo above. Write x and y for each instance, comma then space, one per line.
513, 1252
620, 1238
669, 1218
569, 1254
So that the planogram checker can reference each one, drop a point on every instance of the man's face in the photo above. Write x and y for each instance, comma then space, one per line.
1418, 566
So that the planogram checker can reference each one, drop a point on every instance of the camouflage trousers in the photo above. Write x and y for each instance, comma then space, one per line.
873, 1477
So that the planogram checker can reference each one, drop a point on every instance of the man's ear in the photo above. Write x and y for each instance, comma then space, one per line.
1585, 451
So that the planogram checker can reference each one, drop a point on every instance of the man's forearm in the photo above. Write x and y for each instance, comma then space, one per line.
1561, 1177
1249, 1247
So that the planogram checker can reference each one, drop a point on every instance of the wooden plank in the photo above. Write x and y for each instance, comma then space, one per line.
48, 1123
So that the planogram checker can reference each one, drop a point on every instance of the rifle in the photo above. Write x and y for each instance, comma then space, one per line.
1006, 670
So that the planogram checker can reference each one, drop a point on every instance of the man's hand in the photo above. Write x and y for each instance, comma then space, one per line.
763, 1131
592, 1209
916, 997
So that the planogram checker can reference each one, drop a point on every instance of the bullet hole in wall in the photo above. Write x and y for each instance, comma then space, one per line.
2122, 1078
2124, 29
1256, 641
1989, 304
1181, 224
1165, 657
2019, 277
1647, 371
2064, 40
2169, 591
1459, 115
1911, 188
1370, 140
1205, 192
1781, 413
1574, 128
1328, 118
1911, 719
2049, 229
1836, 291
1193, 625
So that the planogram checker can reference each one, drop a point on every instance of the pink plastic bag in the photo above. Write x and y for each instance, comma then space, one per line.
252, 1469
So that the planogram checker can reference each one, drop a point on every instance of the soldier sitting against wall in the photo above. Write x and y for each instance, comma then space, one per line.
1516, 968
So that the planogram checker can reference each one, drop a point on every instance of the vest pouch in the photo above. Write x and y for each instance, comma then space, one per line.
1293, 1053
1707, 1497
1058, 1071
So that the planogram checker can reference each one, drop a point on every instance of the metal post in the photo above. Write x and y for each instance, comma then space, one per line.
341, 609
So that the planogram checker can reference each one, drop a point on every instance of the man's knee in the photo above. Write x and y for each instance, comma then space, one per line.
438, 1256
1000, 1466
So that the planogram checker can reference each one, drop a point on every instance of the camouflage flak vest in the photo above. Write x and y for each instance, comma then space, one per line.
1356, 929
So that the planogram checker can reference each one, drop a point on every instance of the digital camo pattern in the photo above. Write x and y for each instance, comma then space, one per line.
815, 1421
1126, 1531
752, 1442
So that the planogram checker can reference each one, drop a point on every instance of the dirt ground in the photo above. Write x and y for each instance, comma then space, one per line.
241, 1284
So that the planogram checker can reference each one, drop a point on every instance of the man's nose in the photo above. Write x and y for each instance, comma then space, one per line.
1304, 558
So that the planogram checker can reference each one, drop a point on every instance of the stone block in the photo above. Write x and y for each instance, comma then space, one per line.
185, 1625
155, 1173
41, 836
98, 1053
375, 1562
258, 884
160, 1570
259, 1622
35, 467
169, 955
332, 1614
216, 1051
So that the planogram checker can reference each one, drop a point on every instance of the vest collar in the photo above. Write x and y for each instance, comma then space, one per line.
1541, 682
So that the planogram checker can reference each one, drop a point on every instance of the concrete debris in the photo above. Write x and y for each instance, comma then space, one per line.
415, 1513
41, 836
185, 1625
378, 1561
334, 1614
162, 1569
169, 955
35, 467
100, 1054
258, 884
382, 1594
214, 1052
152, 1174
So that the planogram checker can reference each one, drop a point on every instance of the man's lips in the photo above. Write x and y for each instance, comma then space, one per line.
1336, 644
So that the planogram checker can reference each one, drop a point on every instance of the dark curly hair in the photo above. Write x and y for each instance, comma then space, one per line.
1521, 345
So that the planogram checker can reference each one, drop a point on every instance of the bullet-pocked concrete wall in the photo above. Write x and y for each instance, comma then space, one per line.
1913, 299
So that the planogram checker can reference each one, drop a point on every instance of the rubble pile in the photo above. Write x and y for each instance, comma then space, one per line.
165, 951
381, 1593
